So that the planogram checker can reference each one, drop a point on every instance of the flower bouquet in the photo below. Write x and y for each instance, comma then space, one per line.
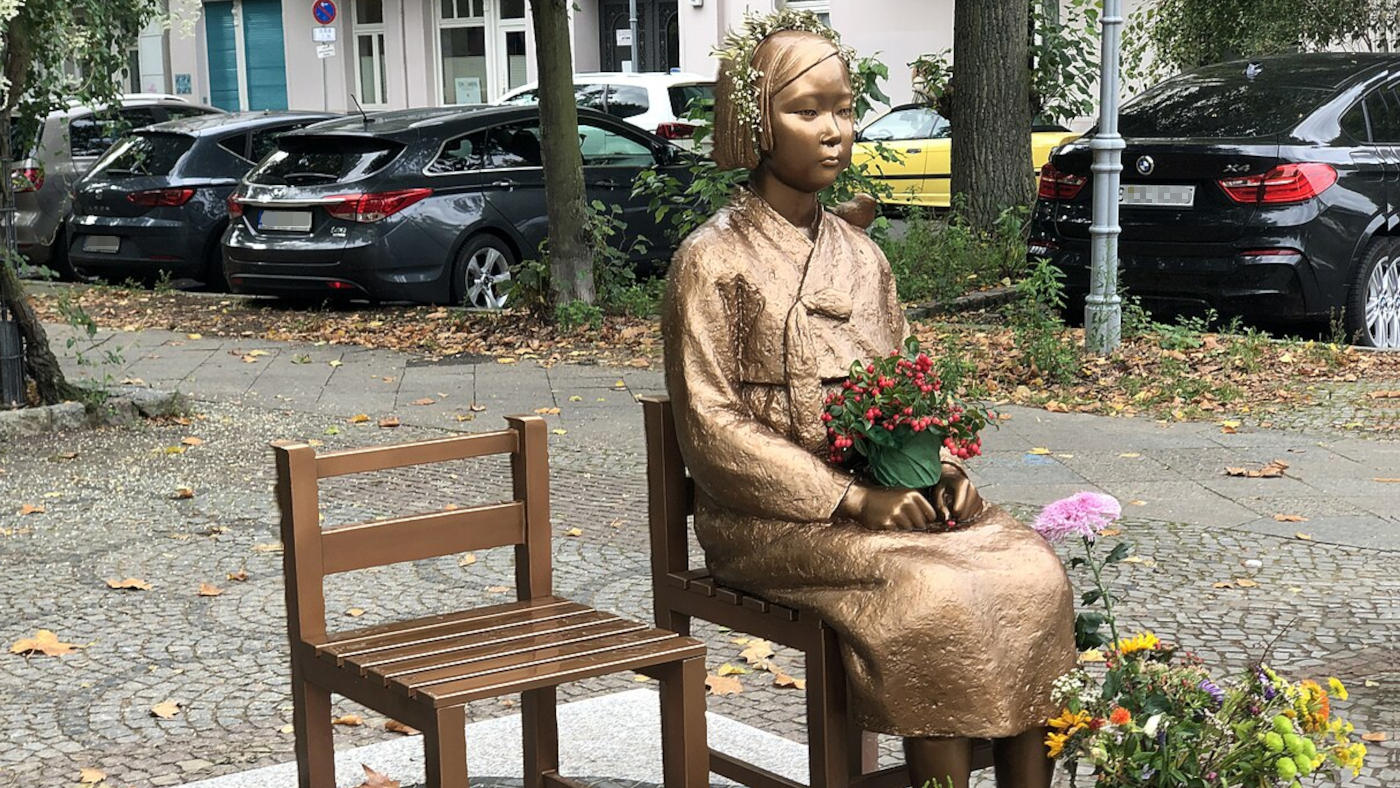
1156, 717
892, 416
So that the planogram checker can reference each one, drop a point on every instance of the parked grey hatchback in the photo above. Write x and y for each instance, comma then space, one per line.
155, 203
53, 153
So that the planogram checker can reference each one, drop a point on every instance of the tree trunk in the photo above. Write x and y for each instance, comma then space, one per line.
991, 120
40, 365
570, 258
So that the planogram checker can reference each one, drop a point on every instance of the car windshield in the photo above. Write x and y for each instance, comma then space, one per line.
307, 160
146, 153
682, 97
910, 123
1190, 107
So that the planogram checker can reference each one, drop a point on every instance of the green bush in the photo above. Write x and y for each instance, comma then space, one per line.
1039, 329
939, 260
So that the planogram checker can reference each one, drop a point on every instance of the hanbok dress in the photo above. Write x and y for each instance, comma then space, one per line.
955, 633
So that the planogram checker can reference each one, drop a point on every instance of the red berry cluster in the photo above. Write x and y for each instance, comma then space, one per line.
898, 394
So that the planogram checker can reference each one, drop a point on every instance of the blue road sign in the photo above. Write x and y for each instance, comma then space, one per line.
324, 11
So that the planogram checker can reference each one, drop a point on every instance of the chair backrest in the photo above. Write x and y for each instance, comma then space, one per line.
311, 553
670, 492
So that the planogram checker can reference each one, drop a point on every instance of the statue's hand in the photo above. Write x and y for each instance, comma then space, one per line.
860, 210
887, 508
955, 498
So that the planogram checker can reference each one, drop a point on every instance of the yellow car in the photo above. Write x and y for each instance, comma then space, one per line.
922, 141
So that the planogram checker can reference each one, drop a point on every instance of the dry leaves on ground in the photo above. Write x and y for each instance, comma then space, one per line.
45, 642
1290, 518
166, 710
394, 726
1270, 470
88, 775
723, 685
31, 508
348, 720
1375, 737
209, 589
241, 576
374, 779
129, 584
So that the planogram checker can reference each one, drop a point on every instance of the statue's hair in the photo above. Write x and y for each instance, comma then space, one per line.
750, 76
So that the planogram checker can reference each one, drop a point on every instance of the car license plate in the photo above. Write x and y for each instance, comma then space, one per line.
285, 221
104, 244
1157, 194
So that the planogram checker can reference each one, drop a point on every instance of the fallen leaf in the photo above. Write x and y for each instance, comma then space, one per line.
1130, 455
1269, 470
1290, 518
355, 612
31, 508
166, 710
464, 416
1091, 655
44, 642
505, 360
1385, 480
475, 408
359, 418
728, 669
575, 532
1303, 536
757, 650
130, 584
560, 431
301, 358
467, 560
332, 430
335, 362
192, 441
209, 589
1041, 450
88, 775
182, 493
374, 779
423, 401
67, 455
1229, 427
269, 547
1137, 503
1371, 683
547, 411
288, 729
1055, 406
576, 398
497, 589
1375, 737
394, 726
348, 720
723, 685
1388, 394
389, 422
241, 576
1245, 582
194, 336
639, 678
782, 680
1223, 584
1110, 532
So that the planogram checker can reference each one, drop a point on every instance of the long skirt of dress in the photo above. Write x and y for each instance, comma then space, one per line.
943, 634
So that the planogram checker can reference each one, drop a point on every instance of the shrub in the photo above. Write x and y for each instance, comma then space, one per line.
938, 261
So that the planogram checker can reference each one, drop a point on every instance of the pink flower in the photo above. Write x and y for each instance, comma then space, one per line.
1082, 514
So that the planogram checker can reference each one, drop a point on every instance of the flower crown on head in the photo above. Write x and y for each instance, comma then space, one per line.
740, 45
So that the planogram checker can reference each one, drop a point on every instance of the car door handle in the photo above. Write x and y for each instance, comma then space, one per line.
504, 183
913, 150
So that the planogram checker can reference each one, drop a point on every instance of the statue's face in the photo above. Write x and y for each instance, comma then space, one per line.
813, 128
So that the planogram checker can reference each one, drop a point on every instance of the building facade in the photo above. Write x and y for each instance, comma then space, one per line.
387, 54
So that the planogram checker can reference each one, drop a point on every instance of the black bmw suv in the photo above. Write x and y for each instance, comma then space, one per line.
1268, 189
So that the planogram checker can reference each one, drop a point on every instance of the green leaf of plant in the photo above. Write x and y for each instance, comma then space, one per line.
1119, 552
1090, 597
913, 461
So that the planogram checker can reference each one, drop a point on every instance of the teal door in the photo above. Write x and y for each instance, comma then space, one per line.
262, 47
223, 55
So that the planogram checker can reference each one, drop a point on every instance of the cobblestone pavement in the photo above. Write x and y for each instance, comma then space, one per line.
1331, 605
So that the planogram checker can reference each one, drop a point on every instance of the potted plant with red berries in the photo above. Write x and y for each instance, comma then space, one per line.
892, 416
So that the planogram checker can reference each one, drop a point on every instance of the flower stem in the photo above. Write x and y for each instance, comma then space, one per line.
1103, 592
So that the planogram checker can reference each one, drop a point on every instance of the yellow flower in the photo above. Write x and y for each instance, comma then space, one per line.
1056, 743
1071, 722
1143, 641
1337, 689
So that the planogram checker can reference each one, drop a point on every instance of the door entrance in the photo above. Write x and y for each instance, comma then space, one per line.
658, 31
247, 69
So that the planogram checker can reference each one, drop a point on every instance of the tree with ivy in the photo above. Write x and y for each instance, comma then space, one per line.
53, 53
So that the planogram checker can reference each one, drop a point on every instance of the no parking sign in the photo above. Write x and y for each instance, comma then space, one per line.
324, 11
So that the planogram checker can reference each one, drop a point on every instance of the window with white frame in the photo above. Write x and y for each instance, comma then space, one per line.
369, 52
462, 55
822, 8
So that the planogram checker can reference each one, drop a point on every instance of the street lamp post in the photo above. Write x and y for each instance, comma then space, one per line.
1103, 312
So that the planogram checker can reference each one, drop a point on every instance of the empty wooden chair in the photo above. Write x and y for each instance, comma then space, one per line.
423, 672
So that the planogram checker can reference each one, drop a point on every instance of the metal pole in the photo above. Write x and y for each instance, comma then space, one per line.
1103, 312
632, 22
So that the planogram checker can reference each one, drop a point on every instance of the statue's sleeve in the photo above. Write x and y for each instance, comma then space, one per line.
735, 459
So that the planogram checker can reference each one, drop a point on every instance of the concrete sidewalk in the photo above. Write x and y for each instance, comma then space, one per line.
1169, 472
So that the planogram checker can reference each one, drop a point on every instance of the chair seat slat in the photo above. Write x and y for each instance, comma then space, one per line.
542, 624
360, 640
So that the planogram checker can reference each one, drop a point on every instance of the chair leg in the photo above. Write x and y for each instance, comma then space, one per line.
315, 746
685, 751
668, 619
539, 726
828, 748
445, 749
864, 748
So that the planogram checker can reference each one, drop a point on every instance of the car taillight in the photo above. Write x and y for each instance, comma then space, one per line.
161, 198
235, 208
1286, 183
27, 179
1056, 185
373, 207
675, 131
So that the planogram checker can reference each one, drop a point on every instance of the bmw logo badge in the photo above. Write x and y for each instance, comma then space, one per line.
1145, 165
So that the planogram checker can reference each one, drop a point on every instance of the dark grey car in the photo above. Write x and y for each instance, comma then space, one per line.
156, 203
426, 205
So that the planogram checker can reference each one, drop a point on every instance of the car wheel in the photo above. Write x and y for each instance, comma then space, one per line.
1373, 305
481, 277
